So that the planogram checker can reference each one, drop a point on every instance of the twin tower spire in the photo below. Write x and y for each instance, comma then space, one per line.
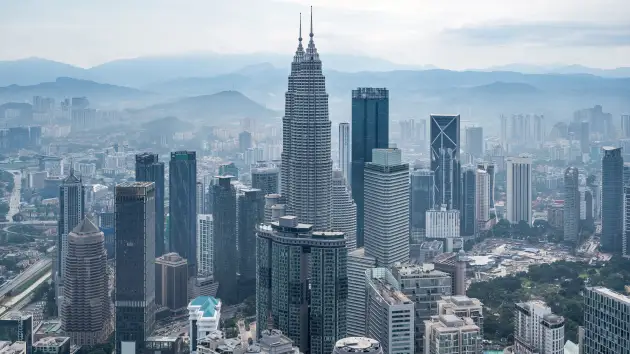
311, 51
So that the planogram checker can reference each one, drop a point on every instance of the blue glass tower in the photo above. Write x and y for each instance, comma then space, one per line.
370, 130
183, 206
149, 169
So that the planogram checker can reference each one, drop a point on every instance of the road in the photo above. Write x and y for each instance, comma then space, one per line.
31, 222
21, 296
24, 276
14, 203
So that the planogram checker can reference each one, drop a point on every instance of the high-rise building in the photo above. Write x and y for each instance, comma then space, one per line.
462, 306
135, 265
443, 224
370, 130
571, 204
200, 209
606, 326
389, 312
306, 130
612, 200
266, 179
359, 344
171, 282
503, 136
445, 162
15, 327
387, 207
251, 212
344, 210
474, 141
425, 286
86, 315
539, 128
244, 141
489, 168
537, 329
422, 186
205, 244
451, 334
358, 263
482, 200
467, 210
182, 190
149, 169
71, 212
345, 144
625, 125
310, 311
519, 189
224, 238
625, 242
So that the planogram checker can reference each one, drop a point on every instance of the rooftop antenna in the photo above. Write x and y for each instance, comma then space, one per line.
311, 34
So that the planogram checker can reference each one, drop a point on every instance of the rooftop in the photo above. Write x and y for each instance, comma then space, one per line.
358, 344
51, 341
207, 304
389, 293
611, 294
86, 226
426, 269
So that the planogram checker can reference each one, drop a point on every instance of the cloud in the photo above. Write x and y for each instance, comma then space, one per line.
570, 34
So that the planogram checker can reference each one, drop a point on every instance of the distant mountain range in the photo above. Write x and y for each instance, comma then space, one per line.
623, 72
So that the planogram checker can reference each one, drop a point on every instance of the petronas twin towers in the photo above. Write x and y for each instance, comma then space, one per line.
306, 156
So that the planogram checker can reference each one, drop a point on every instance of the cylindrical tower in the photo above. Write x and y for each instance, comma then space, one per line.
363, 345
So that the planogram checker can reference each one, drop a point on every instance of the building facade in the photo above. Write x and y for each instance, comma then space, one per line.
468, 210
266, 179
386, 207
612, 200
224, 238
205, 243
451, 334
358, 263
171, 282
344, 210
606, 329
519, 189
571, 204
182, 190
345, 145
445, 161
422, 198
135, 265
482, 199
370, 130
71, 212
537, 329
251, 212
474, 141
150, 169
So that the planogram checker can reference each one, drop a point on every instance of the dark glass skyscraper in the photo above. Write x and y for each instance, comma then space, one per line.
612, 199
183, 207
468, 219
571, 204
251, 212
149, 169
422, 198
135, 265
445, 162
225, 257
370, 130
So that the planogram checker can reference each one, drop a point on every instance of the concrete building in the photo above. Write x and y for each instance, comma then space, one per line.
482, 200
273, 203
571, 204
171, 281
135, 265
625, 125
52, 345
386, 186
422, 198
443, 224
606, 329
462, 306
474, 141
389, 313
489, 168
37, 179
425, 286
201, 205
251, 204
451, 334
306, 162
266, 179
358, 263
205, 243
519, 189
224, 238
86, 316
204, 314
612, 200
625, 242
555, 216
353, 345
345, 145
182, 200
467, 209
344, 210
537, 329
16, 327
445, 161
370, 130
150, 169
288, 252
165, 345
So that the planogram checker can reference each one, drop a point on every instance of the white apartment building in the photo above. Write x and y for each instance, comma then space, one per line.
204, 313
482, 200
204, 244
389, 312
537, 330
462, 306
443, 223
358, 263
519, 189
449, 334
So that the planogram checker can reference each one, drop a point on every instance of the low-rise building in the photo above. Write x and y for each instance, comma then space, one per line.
462, 306
204, 313
52, 345
449, 334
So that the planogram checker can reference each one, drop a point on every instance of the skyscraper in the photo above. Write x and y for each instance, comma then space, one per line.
422, 197
244, 140
358, 263
606, 328
571, 204
612, 199
171, 282
266, 179
85, 315
585, 141
467, 210
149, 169
251, 212
224, 238
205, 244
503, 136
625, 125
489, 168
345, 144
387, 207
474, 141
370, 130
344, 210
71, 212
288, 253
537, 329
135, 265
182, 190
200, 209
482, 201
519, 189
445, 162
539, 128
306, 156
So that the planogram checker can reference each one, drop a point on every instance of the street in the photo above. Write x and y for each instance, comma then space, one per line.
14, 203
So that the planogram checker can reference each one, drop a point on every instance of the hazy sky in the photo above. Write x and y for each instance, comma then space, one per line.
447, 33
